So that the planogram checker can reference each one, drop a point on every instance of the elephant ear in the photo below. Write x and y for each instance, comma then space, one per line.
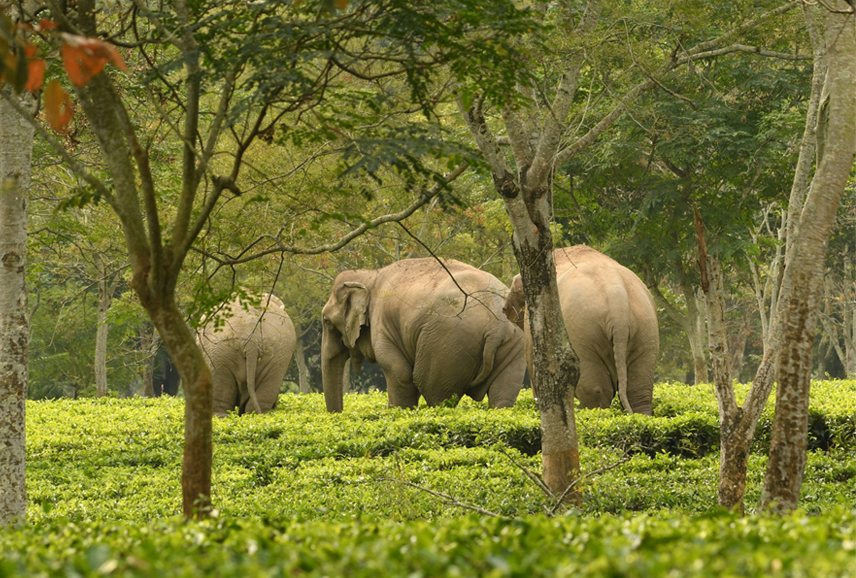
355, 297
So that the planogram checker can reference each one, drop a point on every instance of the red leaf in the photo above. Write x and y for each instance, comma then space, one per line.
46, 24
30, 50
58, 109
35, 74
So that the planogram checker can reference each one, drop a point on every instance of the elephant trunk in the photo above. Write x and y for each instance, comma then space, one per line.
334, 356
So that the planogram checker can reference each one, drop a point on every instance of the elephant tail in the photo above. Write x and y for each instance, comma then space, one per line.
620, 339
252, 365
491, 345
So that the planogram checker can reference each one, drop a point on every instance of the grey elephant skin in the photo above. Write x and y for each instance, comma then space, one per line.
612, 324
432, 335
249, 354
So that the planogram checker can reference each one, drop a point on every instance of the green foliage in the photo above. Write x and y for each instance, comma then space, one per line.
107, 459
641, 546
302, 491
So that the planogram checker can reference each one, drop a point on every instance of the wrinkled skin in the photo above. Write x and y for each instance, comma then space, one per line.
427, 336
612, 324
249, 355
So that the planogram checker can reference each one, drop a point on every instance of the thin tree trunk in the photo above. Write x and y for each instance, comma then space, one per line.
16, 149
149, 349
105, 298
300, 358
836, 151
691, 323
198, 407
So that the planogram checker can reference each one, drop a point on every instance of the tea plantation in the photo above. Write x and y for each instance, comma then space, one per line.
302, 492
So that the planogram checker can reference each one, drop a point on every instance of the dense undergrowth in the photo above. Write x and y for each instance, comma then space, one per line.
301, 491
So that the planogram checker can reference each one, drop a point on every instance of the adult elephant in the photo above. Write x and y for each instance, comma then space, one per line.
612, 324
248, 349
436, 330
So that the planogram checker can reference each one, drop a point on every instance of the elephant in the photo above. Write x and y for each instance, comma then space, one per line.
612, 324
248, 351
434, 326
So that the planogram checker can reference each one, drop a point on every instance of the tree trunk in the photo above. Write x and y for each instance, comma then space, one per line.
691, 322
16, 149
300, 358
555, 365
198, 407
105, 298
149, 349
836, 151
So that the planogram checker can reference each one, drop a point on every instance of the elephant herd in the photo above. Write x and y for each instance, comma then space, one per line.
442, 329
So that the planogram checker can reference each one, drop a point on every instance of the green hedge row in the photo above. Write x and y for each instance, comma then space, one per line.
109, 459
606, 546
685, 424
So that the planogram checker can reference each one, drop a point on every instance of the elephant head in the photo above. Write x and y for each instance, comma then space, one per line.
344, 316
515, 302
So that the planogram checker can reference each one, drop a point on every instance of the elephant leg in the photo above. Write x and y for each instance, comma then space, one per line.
269, 382
596, 387
442, 374
506, 381
399, 381
226, 395
640, 381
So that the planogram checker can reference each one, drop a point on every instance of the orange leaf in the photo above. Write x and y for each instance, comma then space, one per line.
35, 74
80, 65
86, 57
342, 4
46, 24
58, 109
30, 50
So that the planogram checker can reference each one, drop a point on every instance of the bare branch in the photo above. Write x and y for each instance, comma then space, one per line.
330, 247
452, 501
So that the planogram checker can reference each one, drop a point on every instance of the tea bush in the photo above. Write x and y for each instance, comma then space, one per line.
300, 490
607, 546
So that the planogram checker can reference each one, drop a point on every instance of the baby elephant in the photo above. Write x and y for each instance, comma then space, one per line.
248, 349
436, 330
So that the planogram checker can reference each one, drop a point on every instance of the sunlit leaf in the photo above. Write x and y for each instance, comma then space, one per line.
342, 4
58, 108
85, 57
79, 65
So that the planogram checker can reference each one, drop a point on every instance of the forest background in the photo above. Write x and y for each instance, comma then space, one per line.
725, 133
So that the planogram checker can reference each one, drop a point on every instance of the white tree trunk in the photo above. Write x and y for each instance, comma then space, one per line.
16, 149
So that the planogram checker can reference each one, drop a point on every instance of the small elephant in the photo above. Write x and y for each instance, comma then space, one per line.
612, 324
249, 354
436, 330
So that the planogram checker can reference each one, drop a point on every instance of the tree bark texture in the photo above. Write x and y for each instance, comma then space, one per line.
300, 358
16, 149
836, 152
148, 345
